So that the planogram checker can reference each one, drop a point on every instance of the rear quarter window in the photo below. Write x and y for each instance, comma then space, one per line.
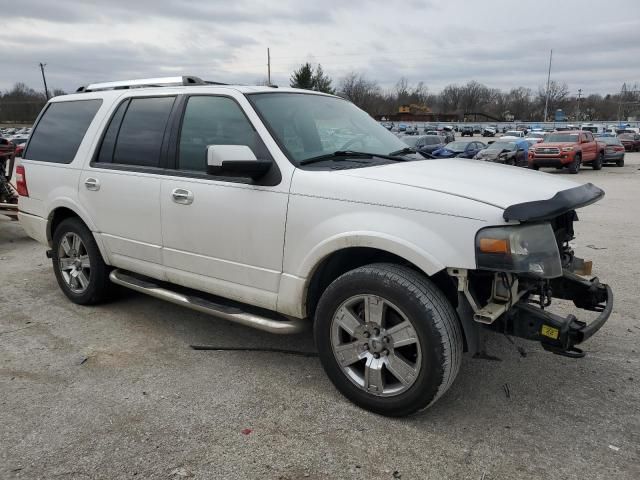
60, 130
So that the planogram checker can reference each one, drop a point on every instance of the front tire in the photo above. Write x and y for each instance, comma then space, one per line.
574, 167
388, 339
78, 265
620, 163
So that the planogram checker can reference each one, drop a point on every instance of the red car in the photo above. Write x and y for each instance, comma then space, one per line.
631, 141
569, 149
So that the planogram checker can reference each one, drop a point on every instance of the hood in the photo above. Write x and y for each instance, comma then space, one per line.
490, 183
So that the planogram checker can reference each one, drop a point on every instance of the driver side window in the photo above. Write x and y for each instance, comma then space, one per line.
210, 120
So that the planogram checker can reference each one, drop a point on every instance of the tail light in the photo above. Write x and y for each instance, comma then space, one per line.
21, 181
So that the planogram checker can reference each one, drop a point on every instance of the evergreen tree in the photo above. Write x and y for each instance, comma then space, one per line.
303, 77
322, 82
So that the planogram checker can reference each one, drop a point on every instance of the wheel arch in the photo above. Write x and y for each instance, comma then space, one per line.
63, 211
342, 260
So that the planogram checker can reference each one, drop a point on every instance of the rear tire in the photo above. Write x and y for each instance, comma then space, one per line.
388, 339
574, 167
620, 163
78, 265
534, 166
598, 162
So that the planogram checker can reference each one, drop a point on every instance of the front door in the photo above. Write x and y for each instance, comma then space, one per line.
222, 235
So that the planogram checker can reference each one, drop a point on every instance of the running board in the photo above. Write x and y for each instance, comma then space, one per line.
228, 312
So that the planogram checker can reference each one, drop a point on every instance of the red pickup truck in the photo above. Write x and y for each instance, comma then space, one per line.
567, 149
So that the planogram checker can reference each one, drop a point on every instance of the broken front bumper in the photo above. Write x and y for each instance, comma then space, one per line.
561, 334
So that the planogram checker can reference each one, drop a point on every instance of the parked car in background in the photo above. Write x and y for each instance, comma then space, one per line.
538, 136
477, 129
425, 143
568, 149
514, 134
459, 148
489, 132
467, 131
614, 150
631, 141
20, 143
509, 153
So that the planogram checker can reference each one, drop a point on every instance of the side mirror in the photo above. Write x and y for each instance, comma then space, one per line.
235, 161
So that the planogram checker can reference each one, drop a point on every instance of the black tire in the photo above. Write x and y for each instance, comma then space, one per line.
620, 163
574, 167
598, 162
533, 166
99, 287
434, 322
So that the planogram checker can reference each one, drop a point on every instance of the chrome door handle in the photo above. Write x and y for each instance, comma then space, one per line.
180, 195
92, 184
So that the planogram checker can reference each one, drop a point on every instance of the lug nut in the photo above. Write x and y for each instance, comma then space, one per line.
376, 355
376, 331
385, 339
366, 346
366, 334
385, 352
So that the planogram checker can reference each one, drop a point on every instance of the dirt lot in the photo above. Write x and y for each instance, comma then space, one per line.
116, 391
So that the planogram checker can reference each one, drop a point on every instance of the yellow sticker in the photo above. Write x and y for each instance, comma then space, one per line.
550, 332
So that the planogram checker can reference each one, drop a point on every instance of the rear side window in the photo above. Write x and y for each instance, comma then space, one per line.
136, 132
59, 132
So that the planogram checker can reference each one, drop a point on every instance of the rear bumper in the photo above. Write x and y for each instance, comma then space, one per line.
612, 157
34, 226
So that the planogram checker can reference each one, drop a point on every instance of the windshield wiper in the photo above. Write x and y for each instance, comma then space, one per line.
403, 151
345, 154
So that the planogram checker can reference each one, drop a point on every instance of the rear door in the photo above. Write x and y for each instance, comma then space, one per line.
121, 187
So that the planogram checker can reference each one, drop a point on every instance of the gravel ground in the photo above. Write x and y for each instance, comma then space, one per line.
115, 391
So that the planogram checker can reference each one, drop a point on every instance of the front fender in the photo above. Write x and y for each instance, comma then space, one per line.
397, 246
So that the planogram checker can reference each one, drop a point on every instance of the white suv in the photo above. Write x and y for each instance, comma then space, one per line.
282, 208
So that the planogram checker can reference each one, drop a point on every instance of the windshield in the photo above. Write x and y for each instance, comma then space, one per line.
512, 133
432, 140
411, 140
562, 137
609, 140
536, 135
308, 125
502, 146
456, 146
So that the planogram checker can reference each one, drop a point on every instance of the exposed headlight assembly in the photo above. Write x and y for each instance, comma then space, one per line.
528, 249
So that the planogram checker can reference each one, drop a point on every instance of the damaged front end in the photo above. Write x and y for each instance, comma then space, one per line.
522, 267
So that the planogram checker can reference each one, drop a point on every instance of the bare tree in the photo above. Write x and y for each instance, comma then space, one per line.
362, 92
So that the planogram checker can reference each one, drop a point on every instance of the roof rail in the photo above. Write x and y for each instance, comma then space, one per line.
146, 82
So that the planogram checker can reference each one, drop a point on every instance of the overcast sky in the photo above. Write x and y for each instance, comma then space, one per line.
596, 45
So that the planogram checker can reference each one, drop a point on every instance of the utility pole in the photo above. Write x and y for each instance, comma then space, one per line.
546, 102
268, 67
44, 80
579, 95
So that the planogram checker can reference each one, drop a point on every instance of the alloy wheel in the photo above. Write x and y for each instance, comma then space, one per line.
376, 345
74, 262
